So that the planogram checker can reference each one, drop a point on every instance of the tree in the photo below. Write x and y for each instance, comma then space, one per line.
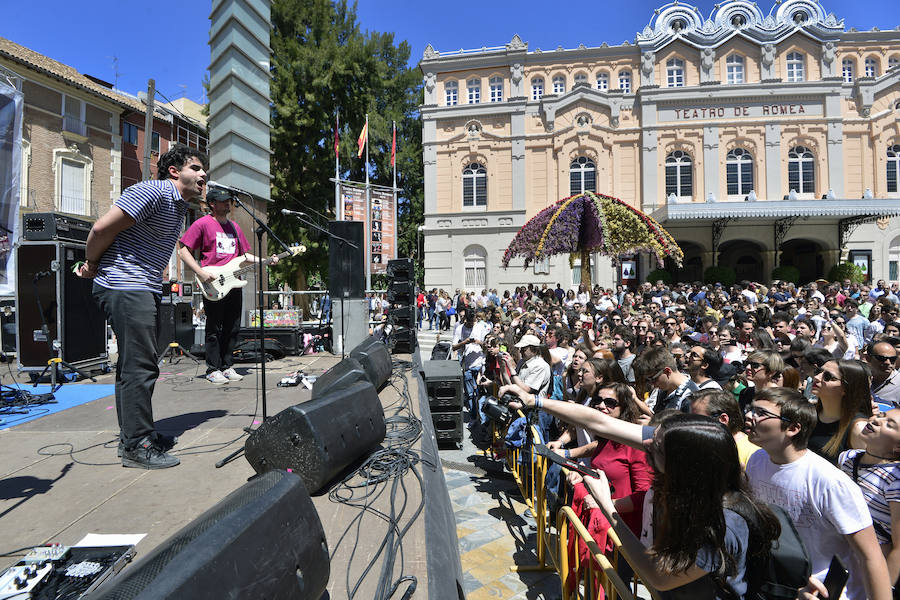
323, 64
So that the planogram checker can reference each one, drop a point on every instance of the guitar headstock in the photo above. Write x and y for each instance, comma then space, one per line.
297, 249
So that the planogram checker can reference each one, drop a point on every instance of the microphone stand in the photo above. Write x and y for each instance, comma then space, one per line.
261, 229
302, 218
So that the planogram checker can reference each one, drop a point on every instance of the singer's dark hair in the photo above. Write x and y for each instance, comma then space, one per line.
177, 157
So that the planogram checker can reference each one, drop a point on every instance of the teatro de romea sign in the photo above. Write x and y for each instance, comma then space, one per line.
758, 110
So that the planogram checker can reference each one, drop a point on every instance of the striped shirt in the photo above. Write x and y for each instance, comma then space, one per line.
137, 256
880, 486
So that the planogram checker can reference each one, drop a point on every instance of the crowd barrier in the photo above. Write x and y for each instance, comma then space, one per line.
597, 579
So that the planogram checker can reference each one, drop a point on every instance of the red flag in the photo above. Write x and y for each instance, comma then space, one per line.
336, 138
394, 147
363, 138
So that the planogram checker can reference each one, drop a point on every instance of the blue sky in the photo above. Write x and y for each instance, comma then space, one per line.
167, 39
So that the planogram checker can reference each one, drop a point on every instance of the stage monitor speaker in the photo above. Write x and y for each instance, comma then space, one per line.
319, 438
176, 324
375, 358
345, 373
346, 265
48, 292
400, 268
264, 540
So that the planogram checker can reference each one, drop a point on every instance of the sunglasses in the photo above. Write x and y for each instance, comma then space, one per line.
671, 323
608, 402
752, 365
882, 358
827, 376
762, 414
652, 380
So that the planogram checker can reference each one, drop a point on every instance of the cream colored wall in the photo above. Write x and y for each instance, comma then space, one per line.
691, 58
751, 54
799, 43
753, 139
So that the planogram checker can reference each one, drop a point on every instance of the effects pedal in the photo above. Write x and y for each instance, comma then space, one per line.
20, 580
291, 380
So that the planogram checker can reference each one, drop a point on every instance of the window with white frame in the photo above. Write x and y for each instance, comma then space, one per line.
576, 271
893, 168
559, 84
473, 87
474, 186
893, 61
625, 81
542, 265
580, 78
734, 69
496, 89
537, 88
192, 139
451, 93
848, 70
154, 142
871, 67
603, 81
130, 133
475, 265
73, 116
582, 176
796, 67
73, 173
801, 170
675, 73
679, 175
739, 172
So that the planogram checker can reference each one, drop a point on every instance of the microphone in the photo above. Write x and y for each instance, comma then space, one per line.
285, 211
227, 188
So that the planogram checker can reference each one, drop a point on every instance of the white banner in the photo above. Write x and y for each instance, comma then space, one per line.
11, 112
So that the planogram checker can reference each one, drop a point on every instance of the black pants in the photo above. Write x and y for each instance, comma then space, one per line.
223, 322
134, 317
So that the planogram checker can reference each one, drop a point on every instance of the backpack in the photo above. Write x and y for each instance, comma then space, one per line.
786, 568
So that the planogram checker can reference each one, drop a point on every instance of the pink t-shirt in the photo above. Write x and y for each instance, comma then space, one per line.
217, 243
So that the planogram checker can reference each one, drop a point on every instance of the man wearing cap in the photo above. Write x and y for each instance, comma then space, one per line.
533, 373
467, 343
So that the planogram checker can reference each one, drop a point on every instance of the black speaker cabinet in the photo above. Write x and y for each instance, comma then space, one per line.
402, 292
49, 294
264, 540
176, 324
346, 265
345, 373
319, 438
444, 384
288, 337
400, 268
375, 358
448, 427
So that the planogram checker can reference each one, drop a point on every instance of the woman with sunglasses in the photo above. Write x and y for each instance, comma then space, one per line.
763, 369
844, 405
833, 340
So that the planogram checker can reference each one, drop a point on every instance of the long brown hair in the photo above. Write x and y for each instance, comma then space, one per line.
856, 399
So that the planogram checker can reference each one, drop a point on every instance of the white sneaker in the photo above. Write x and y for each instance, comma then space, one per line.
232, 375
217, 377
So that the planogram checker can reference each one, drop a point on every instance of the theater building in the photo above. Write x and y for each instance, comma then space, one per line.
757, 139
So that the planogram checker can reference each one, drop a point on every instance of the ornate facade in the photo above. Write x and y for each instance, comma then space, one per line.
755, 139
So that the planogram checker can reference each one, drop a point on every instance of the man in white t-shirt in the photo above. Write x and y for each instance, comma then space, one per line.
826, 507
532, 374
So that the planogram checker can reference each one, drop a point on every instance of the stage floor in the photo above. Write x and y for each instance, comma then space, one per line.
61, 479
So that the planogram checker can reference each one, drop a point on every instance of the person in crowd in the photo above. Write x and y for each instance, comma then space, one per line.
826, 507
833, 340
532, 374
467, 343
674, 388
623, 349
701, 363
881, 356
728, 347
723, 407
844, 403
762, 369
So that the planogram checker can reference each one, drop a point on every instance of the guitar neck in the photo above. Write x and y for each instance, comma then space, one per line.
267, 261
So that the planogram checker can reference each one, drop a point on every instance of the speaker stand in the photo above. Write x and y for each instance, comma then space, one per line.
55, 366
175, 350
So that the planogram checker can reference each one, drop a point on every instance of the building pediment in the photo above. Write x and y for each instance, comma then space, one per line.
551, 106
682, 22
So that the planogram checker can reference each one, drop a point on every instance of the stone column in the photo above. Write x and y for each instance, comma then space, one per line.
773, 162
710, 161
835, 139
517, 151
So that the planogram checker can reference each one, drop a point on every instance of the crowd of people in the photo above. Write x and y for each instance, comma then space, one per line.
699, 408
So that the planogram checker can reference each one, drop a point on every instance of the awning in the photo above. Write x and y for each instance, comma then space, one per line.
777, 209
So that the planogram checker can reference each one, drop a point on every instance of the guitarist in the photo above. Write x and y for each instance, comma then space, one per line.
218, 239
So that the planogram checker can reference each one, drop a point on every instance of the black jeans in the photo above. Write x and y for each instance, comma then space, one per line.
134, 317
223, 322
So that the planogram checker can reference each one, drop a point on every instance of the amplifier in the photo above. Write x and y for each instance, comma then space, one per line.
39, 227
289, 337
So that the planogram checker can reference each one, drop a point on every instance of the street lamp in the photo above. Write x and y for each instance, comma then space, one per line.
419, 230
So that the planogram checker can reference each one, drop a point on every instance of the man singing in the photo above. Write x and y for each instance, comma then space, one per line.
219, 240
127, 250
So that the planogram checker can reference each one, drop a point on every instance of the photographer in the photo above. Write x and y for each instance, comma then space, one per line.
467, 341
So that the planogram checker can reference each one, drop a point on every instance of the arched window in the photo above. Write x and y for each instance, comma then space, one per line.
603, 81
675, 72
802, 170
496, 89
582, 176
739, 172
871, 67
475, 265
537, 88
893, 61
734, 69
796, 67
473, 86
559, 84
625, 81
474, 185
580, 78
679, 175
451, 93
848, 70
893, 168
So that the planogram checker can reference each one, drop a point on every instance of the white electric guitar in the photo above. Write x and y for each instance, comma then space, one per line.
230, 275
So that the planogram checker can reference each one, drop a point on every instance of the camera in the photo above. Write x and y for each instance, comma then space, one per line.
497, 409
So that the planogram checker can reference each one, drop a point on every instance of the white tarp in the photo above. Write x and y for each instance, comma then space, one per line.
11, 112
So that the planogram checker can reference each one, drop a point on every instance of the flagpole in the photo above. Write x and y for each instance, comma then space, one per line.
338, 205
394, 191
368, 220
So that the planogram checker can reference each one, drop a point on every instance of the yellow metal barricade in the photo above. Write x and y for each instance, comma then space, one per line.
598, 573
